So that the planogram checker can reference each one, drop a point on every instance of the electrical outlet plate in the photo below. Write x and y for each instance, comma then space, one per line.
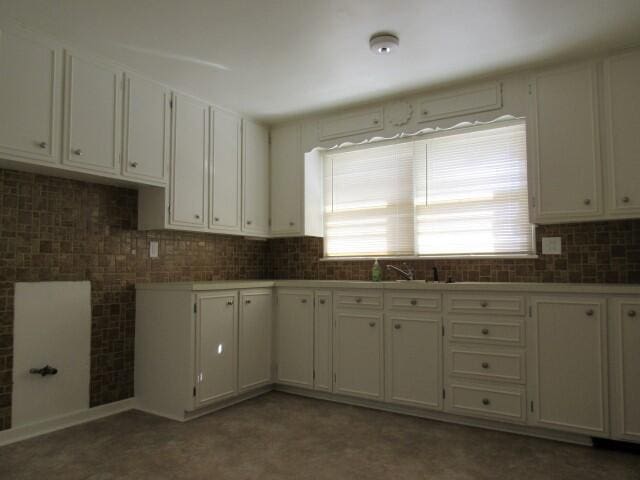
551, 245
153, 249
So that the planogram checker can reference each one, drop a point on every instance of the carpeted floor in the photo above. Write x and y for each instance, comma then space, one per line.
279, 436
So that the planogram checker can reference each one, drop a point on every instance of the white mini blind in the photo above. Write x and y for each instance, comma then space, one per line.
454, 194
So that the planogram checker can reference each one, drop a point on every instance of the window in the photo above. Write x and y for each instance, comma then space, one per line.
455, 193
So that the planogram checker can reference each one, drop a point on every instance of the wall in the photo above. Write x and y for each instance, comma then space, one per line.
57, 229
602, 252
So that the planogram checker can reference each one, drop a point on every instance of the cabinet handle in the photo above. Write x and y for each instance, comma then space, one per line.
485, 365
133, 164
589, 313
230, 302
77, 152
486, 401
626, 199
484, 304
372, 324
42, 144
397, 326
291, 224
249, 222
414, 302
358, 300
247, 301
587, 201
322, 301
485, 331
216, 219
631, 313
304, 300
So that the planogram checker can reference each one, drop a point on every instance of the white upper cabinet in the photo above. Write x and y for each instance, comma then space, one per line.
30, 93
146, 130
189, 162
564, 147
225, 172
287, 181
255, 180
93, 101
622, 133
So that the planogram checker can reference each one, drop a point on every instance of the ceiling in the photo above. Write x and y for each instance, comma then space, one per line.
280, 58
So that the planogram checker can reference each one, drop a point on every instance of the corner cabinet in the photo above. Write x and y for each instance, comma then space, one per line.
254, 349
287, 185
255, 174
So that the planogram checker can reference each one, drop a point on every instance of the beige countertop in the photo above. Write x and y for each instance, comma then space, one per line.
522, 287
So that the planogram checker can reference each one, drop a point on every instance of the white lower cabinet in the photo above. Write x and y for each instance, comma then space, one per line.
294, 337
254, 354
216, 347
567, 361
322, 341
625, 368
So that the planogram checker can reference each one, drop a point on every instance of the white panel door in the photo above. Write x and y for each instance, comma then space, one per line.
189, 161
622, 113
358, 354
625, 368
254, 355
146, 130
30, 94
322, 347
216, 352
567, 362
93, 115
564, 145
255, 174
414, 360
225, 172
287, 180
295, 338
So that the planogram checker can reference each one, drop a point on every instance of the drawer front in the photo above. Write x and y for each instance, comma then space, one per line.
413, 301
494, 332
486, 304
358, 298
485, 365
487, 401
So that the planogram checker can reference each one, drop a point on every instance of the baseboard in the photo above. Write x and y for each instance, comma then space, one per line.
17, 434
440, 416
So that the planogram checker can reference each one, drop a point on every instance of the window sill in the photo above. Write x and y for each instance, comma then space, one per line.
433, 257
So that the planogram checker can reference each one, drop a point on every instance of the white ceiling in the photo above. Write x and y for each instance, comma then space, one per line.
278, 58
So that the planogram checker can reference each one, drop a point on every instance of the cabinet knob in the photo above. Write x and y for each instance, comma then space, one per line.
197, 215
133, 164
414, 302
376, 121
486, 401
397, 326
358, 300
631, 313
485, 365
247, 301
42, 144
484, 304
304, 300
587, 201
249, 222
230, 302
425, 112
78, 152
589, 313
372, 324
626, 199
322, 301
291, 224
485, 331
216, 219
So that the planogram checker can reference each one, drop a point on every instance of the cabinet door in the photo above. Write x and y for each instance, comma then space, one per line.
225, 172
255, 174
414, 360
287, 170
254, 357
295, 338
358, 354
189, 162
30, 93
323, 365
564, 145
216, 354
146, 130
622, 113
568, 363
92, 115
625, 368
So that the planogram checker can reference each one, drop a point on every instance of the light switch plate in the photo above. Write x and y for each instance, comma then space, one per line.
551, 245
153, 249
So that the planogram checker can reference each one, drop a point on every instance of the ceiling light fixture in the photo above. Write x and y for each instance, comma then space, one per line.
383, 43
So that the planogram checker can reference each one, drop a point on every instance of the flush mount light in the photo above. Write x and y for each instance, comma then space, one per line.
383, 43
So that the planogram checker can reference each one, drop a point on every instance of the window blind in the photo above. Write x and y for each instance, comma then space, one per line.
454, 194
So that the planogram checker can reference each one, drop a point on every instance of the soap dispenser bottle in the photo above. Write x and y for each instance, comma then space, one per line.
376, 272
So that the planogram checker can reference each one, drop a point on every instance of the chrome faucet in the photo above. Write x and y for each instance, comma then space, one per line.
407, 273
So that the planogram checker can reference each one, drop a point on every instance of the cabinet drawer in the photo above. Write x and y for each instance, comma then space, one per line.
498, 332
486, 365
359, 298
485, 304
413, 301
487, 401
